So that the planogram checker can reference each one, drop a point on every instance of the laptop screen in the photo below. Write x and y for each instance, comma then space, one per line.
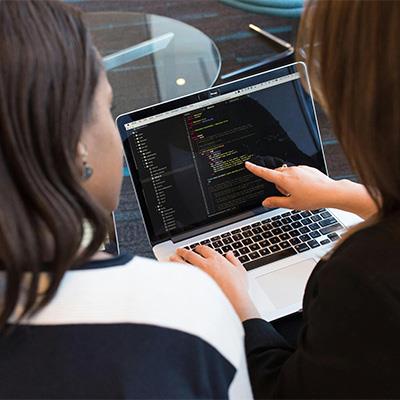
186, 157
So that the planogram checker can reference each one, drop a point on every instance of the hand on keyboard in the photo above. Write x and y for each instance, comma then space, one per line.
227, 272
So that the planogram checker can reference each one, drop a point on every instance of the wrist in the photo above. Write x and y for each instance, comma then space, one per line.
353, 197
340, 196
245, 308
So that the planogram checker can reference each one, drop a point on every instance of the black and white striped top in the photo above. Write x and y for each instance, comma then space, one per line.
128, 328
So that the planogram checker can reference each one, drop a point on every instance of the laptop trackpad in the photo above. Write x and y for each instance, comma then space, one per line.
286, 286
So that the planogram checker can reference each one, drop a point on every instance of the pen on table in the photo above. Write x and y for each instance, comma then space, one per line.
272, 37
274, 58
288, 51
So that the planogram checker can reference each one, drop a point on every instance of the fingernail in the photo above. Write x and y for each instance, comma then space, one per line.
249, 163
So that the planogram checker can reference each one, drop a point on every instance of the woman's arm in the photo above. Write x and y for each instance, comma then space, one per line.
310, 189
340, 343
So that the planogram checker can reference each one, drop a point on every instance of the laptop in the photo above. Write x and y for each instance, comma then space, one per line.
186, 160
110, 244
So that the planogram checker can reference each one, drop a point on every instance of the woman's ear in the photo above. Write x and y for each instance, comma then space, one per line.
82, 156
81, 152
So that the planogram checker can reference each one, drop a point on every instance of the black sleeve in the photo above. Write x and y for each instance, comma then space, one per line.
266, 352
340, 343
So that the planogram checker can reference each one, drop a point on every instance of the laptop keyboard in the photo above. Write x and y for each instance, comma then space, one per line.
278, 237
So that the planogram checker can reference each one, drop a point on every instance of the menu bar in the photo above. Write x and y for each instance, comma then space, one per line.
218, 99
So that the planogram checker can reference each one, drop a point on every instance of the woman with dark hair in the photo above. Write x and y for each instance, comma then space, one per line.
348, 347
75, 323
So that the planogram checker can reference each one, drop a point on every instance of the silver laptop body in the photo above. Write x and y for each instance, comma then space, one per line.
186, 157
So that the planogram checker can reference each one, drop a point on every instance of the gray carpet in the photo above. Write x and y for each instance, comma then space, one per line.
238, 47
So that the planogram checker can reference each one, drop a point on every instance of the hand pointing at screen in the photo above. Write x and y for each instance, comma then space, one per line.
307, 188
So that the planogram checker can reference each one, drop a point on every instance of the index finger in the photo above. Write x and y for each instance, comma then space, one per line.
206, 251
191, 257
268, 174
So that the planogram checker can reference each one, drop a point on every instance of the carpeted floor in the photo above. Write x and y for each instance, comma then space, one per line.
238, 47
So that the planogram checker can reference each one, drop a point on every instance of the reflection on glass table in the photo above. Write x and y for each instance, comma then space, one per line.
151, 59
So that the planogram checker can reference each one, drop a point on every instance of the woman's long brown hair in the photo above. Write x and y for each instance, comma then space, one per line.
49, 70
351, 48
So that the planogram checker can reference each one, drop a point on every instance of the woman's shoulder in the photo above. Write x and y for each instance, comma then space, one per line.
143, 291
368, 256
378, 241
165, 322
360, 279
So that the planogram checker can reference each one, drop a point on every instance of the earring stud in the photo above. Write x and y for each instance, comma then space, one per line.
87, 171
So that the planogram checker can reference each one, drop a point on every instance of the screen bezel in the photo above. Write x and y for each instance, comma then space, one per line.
121, 120
111, 244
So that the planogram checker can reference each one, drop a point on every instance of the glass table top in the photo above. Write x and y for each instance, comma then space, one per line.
150, 59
